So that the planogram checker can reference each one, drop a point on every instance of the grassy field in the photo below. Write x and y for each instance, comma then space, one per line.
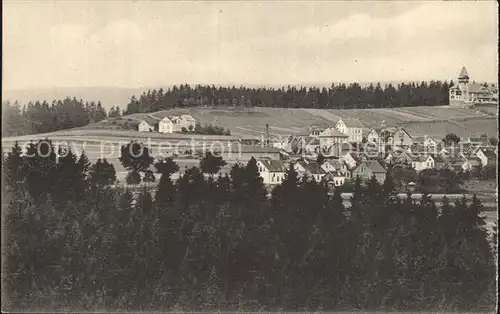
436, 121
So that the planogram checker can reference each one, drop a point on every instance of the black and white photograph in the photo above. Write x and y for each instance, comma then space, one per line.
249, 156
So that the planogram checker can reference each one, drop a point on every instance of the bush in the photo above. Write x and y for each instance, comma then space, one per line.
133, 177
149, 176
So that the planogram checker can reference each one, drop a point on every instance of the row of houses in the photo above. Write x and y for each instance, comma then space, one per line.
336, 171
171, 124
335, 141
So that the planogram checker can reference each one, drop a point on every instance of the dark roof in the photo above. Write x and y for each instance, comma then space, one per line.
334, 162
489, 154
331, 174
314, 168
149, 120
273, 165
373, 165
476, 88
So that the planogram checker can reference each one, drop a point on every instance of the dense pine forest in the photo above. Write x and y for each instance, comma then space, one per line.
40, 117
73, 241
340, 96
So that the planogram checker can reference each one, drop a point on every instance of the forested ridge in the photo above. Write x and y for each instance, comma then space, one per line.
337, 96
41, 117
73, 241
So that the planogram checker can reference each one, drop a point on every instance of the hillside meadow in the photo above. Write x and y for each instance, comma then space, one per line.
433, 121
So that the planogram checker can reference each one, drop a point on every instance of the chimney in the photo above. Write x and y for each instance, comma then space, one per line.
267, 135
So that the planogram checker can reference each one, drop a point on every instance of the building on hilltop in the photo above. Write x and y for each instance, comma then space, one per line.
467, 94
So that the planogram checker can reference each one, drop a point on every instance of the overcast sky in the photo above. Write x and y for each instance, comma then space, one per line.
135, 44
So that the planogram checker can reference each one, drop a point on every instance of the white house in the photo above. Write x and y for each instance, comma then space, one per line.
402, 138
422, 162
188, 121
271, 171
334, 177
373, 137
331, 165
144, 126
177, 123
166, 125
486, 157
352, 128
284, 144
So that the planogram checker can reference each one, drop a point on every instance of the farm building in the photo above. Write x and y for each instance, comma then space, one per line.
271, 171
175, 124
147, 124
166, 125
188, 122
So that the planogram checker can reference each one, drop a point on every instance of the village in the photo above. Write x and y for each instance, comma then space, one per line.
339, 153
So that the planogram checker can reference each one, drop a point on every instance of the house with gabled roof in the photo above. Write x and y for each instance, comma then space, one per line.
335, 178
333, 165
147, 124
311, 169
271, 171
402, 138
352, 128
166, 125
486, 156
188, 121
421, 162
367, 168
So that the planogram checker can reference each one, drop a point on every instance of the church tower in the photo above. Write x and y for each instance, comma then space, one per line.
463, 78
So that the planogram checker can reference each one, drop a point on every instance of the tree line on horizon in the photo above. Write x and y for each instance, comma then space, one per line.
204, 243
337, 96
41, 117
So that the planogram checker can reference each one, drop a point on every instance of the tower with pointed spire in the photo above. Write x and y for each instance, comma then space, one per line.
463, 78
466, 94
